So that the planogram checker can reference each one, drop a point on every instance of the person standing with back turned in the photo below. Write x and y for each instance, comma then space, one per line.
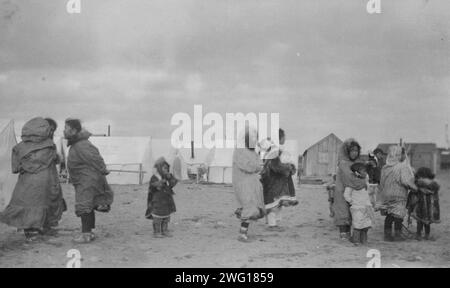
87, 172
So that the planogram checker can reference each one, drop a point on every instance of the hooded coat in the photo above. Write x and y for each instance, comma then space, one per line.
37, 197
423, 204
345, 178
87, 171
396, 178
247, 186
278, 186
160, 202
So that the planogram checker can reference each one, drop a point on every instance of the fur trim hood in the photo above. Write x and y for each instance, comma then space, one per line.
82, 135
345, 149
159, 165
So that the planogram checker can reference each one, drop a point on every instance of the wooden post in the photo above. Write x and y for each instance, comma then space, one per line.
140, 175
109, 130
192, 150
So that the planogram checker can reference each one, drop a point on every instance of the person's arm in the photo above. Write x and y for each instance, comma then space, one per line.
155, 184
434, 186
348, 179
277, 167
89, 154
15, 161
152, 187
293, 169
348, 194
247, 164
427, 187
407, 176
172, 180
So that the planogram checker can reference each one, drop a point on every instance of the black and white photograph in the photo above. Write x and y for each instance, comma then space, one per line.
249, 134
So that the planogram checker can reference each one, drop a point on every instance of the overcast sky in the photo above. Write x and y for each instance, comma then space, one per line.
325, 66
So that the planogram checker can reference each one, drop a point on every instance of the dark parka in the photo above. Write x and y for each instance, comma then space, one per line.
160, 200
278, 186
87, 172
37, 197
345, 178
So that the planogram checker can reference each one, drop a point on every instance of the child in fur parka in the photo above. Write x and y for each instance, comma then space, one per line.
360, 206
160, 202
423, 204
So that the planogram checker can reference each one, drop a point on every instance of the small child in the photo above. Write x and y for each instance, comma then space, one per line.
286, 158
361, 207
423, 204
160, 203
374, 179
330, 188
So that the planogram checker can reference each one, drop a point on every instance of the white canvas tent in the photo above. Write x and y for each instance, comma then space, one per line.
131, 159
128, 158
7, 179
180, 159
220, 169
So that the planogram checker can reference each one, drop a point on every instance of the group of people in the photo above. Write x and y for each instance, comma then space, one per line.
389, 186
262, 180
37, 202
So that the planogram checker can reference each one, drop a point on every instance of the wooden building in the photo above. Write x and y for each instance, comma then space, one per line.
320, 160
420, 154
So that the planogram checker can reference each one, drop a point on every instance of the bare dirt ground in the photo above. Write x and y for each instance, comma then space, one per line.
205, 232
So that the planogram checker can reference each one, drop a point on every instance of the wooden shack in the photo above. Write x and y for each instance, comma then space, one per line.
320, 160
420, 154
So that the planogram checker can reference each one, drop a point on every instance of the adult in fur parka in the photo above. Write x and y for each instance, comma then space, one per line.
349, 154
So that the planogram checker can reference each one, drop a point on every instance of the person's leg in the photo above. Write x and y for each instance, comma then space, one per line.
419, 230
427, 231
87, 223
243, 231
165, 227
157, 227
356, 237
31, 234
398, 225
388, 228
278, 214
92, 223
342, 215
273, 218
344, 232
86, 226
364, 236
93, 220
348, 231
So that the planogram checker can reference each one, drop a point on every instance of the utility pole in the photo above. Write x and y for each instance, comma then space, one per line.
447, 141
